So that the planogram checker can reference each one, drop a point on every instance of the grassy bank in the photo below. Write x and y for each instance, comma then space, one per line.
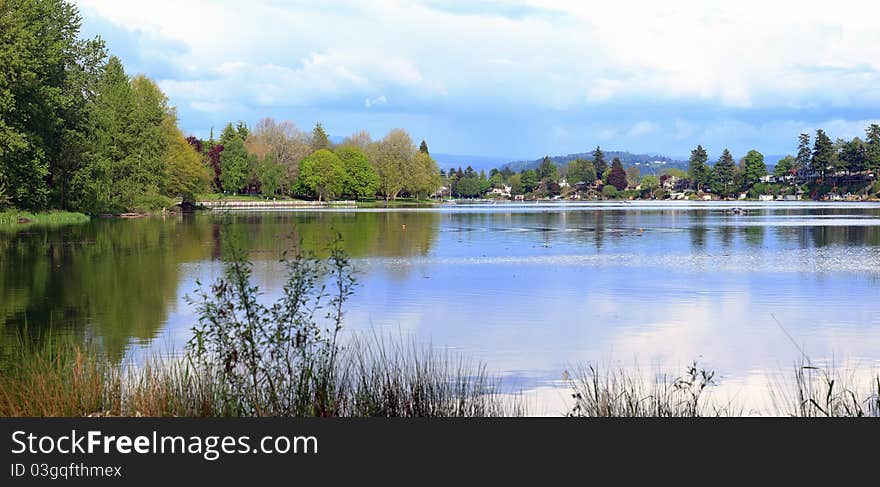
370, 379
19, 219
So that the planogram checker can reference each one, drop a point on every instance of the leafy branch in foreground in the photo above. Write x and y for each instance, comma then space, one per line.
277, 360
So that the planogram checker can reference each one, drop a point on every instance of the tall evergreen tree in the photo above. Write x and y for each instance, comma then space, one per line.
319, 138
723, 172
823, 153
599, 161
872, 149
804, 154
423, 148
698, 171
617, 177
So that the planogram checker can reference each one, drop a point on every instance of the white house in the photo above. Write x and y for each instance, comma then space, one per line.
504, 191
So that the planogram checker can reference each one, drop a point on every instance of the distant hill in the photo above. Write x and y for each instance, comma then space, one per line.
449, 161
647, 163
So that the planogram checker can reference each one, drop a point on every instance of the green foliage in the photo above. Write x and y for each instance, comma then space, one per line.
721, 177
322, 174
609, 191
599, 161
581, 170
235, 163
753, 168
698, 171
547, 171
516, 185
650, 182
529, 180
187, 174
872, 150
361, 179
319, 138
424, 177
46, 76
823, 156
784, 166
393, 159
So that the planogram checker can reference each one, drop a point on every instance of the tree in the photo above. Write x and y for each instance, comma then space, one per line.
235, 165
286, 145
722, 173
617, 176
872, 149
784, 166
823, 156
754, 167
270, 174
322, 174
581, 170
649, 183
425, 176
47, 76
360, 178
186, 174
423, 148
515, 183
124, 166
393, 158
599, 161
852, 155
361, 140
319, 138
547, 170
609, 191
803, 154
633, 176
698, 171
529, 180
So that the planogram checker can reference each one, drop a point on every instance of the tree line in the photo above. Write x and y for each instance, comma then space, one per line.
79, 133
277, 159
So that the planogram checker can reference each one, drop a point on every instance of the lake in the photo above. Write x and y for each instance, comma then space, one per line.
532, 290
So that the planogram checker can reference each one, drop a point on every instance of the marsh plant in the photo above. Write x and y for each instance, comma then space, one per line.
278, 359
619, 392
827, 392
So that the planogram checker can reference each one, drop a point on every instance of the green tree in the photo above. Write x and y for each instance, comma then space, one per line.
423, 148
125, 165
609, 191
319, 138
784, 166
804, 154
649, 183
722, 174
47, 76
872, 149
617, 176
235, 165
754, 167
823, 156
547, 171
698, 171
187, 174
393, 158
581, 170
852, 155
322, 174
361, 179
529, 180
425, 176
270, 174
599, 161
515, 183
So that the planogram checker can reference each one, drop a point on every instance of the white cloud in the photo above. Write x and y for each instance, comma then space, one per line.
379, 100
535, 55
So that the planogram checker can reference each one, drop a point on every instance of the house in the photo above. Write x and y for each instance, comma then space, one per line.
504, 191
765, 197
669, 182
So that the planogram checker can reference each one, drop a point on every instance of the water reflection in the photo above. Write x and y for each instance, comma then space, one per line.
528, 289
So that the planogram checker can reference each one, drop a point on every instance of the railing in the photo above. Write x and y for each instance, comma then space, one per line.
274, 205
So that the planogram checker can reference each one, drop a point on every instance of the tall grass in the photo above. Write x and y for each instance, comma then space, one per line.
617, 392
828, 391
13, 219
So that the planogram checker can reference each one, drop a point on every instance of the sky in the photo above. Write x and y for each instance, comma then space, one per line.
514, 79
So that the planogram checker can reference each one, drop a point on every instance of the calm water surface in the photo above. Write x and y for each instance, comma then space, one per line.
530, 289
